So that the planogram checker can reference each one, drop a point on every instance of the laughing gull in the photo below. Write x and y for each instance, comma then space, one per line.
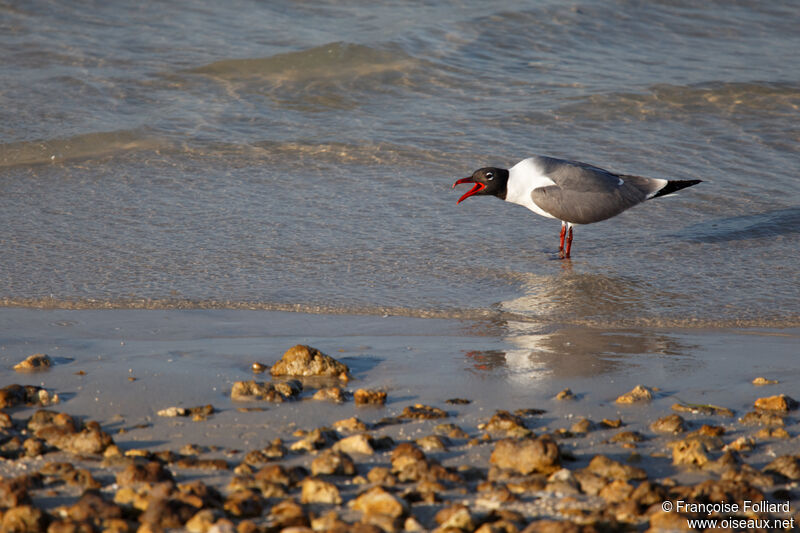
571, 191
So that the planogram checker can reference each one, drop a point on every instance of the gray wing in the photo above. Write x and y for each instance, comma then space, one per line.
583, 194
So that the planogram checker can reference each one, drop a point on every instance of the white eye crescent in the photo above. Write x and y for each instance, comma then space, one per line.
489, 176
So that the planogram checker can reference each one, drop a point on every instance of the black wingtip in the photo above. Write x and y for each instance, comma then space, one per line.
675, 185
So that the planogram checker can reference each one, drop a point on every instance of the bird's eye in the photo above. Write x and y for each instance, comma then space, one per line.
489, 176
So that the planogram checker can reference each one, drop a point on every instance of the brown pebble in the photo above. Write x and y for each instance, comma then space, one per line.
787, 466
612, 423
258, 368
315, 490
331, 462
672, 424
772, 433
369, 397
512, 425
359, 443
713, 410
423, 412
151, 472
638, 394
330, 394
350, 425
609, 468
456, 517
302, 360
377, 501
244, 503
34, 363
627, 436
760, 381
527, 456
762, 418
457, 401
780, 402
566, 394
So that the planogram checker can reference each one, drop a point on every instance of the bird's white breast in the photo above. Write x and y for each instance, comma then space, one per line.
523, 178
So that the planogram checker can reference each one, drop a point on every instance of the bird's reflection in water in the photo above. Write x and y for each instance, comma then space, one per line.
572, 329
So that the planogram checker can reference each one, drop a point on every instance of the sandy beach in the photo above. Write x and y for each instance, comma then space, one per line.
120, 368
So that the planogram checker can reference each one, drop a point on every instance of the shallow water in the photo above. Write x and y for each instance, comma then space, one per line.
300, 157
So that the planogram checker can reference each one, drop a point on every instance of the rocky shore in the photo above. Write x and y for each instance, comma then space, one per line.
414, 468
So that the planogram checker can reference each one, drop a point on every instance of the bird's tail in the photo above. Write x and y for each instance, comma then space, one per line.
674, 186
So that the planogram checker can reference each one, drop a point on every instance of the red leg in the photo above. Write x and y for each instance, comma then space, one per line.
563, 233
569, 242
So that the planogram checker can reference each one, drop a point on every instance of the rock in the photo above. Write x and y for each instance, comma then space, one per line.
566, 394
287, 513
742, 444
316, 439
81, 478
455, 517
152, 472
590, 483
639, 393
457, 401
787, 466
380, 475
608, 423
14, 491
772, 433
90, 440
582, 426
304, 360
378, 501
671, 424
244, 503
359, 443
275, 474
172, 412
672, 522
451, 431
406, 453
563, 482
330, 394
350, 425
258, 368
369, 397
203, 464
315, 490
627, 437
30, 395
603, 466
760, 381
275, 450
527, 456
503, 421
23, 519
617, 491
423, 412
93, 507
762, 418
780, 402
331, 462
712, 410
244, 391
202, 521
34, 363
431, 443
689, 452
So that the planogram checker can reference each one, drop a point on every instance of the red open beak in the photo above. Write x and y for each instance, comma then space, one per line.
477, 188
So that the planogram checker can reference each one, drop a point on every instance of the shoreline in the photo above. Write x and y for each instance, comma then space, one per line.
192, 358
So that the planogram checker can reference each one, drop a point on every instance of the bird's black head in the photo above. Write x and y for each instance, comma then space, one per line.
487, 180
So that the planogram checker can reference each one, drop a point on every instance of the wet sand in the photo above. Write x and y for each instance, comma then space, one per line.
121, 367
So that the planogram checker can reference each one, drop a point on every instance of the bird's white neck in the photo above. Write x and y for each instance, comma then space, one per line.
523, 178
